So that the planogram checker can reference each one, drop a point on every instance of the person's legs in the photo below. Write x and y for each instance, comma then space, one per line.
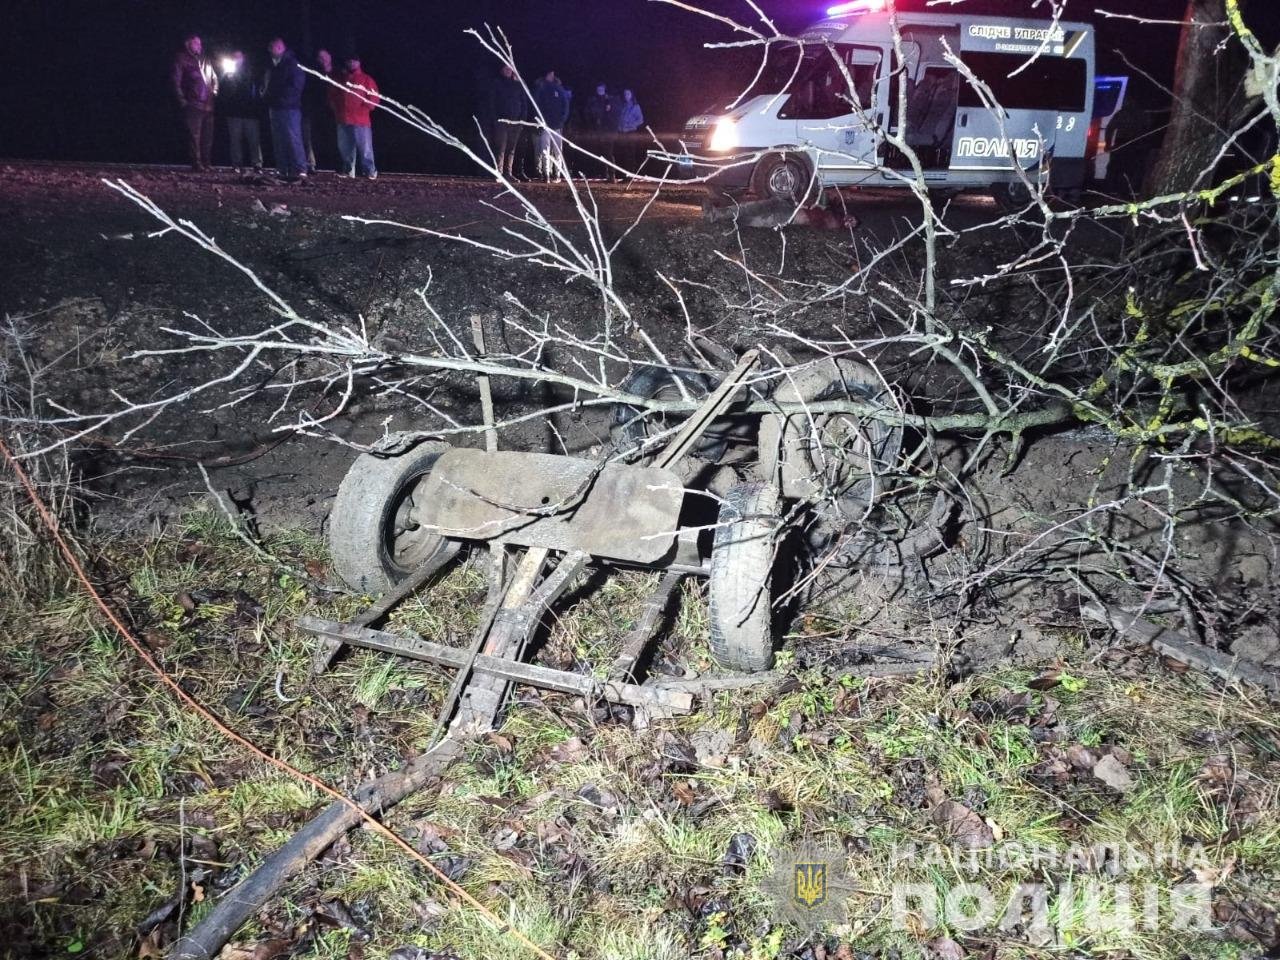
346, 151
515, 143
192, 122
237, 136
297, 157
308, 148
364, 149
502, 147
542, 147
279, 140
253, 137
611, 154
206, 139
557, 152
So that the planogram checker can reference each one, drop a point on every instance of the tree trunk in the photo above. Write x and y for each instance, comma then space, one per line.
1206, 88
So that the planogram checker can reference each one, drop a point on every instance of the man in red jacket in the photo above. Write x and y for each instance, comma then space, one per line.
351, 108
195, 84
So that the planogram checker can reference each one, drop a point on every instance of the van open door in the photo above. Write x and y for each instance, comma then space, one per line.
841, 145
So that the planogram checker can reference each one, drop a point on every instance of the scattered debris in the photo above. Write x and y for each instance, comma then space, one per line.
962, 825
1113, 773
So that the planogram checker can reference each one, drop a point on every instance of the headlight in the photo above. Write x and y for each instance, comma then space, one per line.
228, 66
725, 135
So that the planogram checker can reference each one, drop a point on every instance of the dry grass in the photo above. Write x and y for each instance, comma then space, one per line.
585, 833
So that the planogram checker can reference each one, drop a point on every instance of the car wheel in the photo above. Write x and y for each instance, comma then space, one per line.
1011, 196
782, 176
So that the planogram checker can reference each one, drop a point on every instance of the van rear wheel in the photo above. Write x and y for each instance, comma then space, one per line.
1011, 196
782, 176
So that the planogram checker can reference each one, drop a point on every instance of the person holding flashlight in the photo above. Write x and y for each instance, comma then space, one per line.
195, 84
240, 101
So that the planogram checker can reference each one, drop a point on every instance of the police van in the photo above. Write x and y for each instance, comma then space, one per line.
795, 129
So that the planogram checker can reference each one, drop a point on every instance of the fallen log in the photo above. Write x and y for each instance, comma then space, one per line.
207, 938
1175, 644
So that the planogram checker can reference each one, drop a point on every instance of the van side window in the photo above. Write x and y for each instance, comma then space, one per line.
1049, 83
821, 91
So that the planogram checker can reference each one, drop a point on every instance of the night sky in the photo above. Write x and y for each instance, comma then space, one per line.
87, 79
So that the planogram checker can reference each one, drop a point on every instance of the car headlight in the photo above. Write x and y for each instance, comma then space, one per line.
725, 135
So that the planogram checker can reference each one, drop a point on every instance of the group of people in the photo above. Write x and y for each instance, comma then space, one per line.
303, 112
608, 129
298, 110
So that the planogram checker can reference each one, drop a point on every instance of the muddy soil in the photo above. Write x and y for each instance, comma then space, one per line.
83, 266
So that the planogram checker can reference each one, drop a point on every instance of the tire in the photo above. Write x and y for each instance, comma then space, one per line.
740, 586
373, 502
782, 176
831, 456
1011, 196
631, 428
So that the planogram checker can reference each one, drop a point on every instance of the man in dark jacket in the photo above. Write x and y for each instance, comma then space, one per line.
282, 93
552, 101
509, 106
195, 85
317, 120
599, 111
600, 120
240, 101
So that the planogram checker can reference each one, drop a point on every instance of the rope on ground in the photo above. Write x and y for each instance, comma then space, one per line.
64, 546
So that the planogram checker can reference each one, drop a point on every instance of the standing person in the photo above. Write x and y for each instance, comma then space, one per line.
316, 118
240, 101
195, 84
552, 101
282, 93
630, 120
600, 114
351, 110
510, 108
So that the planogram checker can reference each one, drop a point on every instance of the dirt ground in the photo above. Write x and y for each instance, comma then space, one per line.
613, 842
81, 260
80, 256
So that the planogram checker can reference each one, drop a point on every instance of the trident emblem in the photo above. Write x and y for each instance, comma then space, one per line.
810, 884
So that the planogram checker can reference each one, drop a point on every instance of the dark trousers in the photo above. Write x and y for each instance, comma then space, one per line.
286, 142
506, 142
245, 135
630, 150
199, 126
318, 139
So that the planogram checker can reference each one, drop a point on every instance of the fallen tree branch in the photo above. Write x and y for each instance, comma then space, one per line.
207, 938
1175, 644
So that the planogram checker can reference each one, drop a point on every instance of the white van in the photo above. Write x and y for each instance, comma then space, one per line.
794, 128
